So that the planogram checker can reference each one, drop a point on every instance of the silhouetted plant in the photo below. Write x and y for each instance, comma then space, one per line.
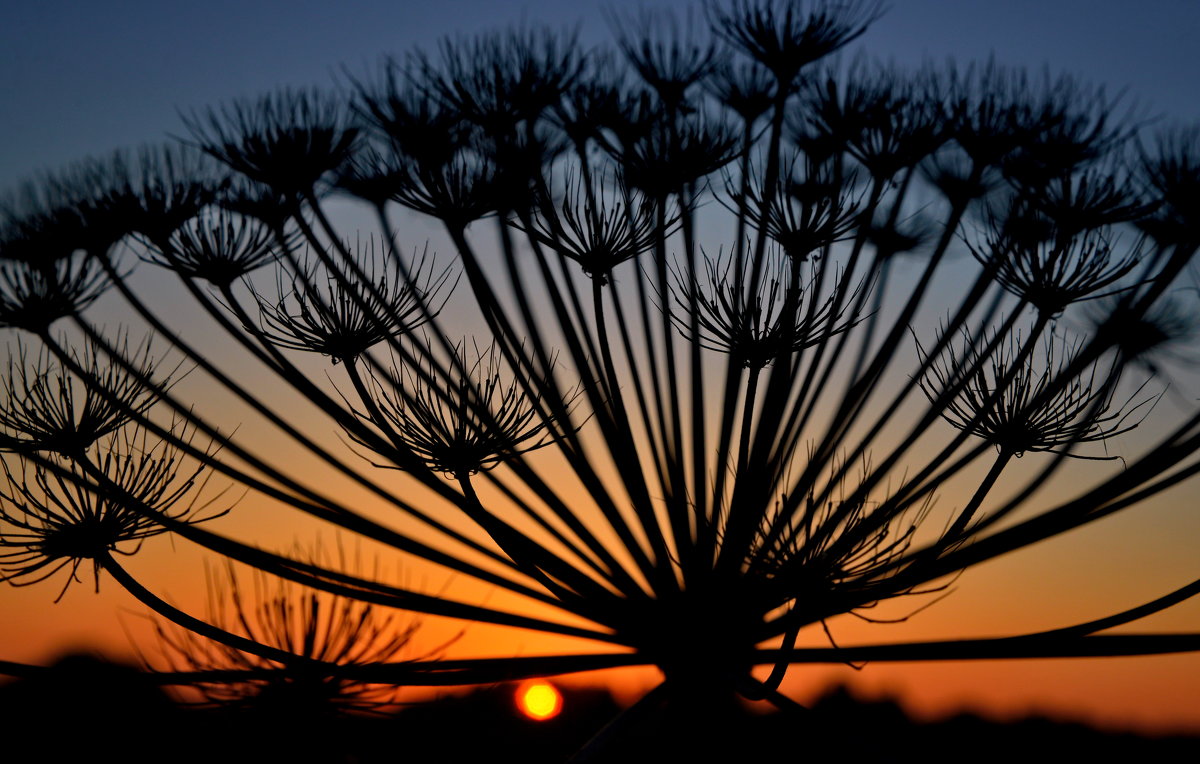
342, 320
472, 420
693, 457
45, 408
93, 507
218, 247
317, 626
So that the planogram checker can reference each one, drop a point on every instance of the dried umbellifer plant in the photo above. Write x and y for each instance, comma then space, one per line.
680, 461
323, 628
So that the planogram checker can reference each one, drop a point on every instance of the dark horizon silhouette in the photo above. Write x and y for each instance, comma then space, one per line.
109, 709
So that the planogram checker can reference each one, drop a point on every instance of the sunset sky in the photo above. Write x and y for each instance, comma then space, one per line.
83, 78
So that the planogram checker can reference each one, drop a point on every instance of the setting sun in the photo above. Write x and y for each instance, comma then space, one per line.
539, 700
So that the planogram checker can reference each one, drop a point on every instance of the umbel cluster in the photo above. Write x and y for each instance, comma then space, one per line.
734, 336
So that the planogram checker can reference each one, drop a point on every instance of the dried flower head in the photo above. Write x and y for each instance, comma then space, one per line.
52, 217
594, 101
347, 318
747, 90
314, 625
500, 81
1101, 195
1172, 172
55, 516
598, 226
32, 297
784, 315
372, 174
46, 408
1020, 403
156, 190
1052, 268
785, 36
671, 156
466, 420
1145, 336
261, 202
218, 246
808, 213
288, 140
669, 57
887, 120
815, 550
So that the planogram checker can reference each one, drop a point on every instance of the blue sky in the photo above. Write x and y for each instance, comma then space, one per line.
80, 78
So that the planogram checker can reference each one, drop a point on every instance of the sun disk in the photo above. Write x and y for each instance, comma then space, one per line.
539, 700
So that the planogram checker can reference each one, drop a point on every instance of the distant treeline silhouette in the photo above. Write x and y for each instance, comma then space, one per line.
113, 711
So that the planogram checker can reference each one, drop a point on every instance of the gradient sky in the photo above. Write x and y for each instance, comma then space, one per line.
80, 78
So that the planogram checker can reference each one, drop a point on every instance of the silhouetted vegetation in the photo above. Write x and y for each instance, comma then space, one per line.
736, 337
97, 700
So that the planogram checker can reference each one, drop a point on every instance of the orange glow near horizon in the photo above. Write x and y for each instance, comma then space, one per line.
1117, 563
539, 700
1038, 588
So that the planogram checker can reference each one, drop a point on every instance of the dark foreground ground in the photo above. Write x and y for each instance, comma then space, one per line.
86, 710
